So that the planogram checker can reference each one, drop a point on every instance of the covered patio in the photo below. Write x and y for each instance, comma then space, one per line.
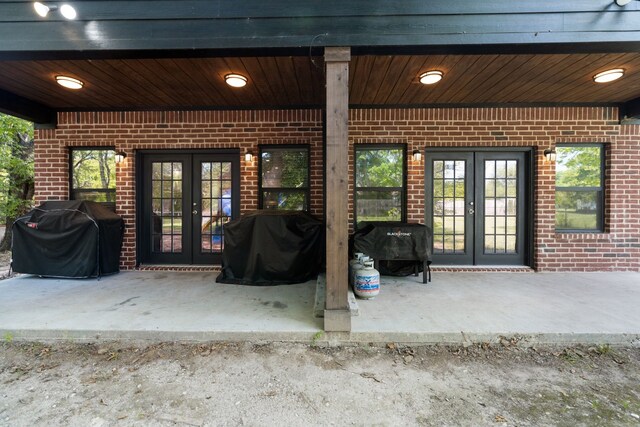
337, 81
456, 308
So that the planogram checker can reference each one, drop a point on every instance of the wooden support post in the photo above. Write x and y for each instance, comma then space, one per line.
337, 316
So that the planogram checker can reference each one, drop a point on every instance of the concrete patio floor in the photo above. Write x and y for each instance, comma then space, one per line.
588, 308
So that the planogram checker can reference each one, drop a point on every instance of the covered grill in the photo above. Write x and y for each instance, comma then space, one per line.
68, 239
399, 248
272, 247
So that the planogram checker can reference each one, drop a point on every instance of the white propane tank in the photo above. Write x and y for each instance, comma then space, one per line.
367, 281
357, 266
353, 263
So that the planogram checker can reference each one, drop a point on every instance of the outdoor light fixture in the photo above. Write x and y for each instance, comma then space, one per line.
235, 80
248, 156
417, 155
42, 9
622, 2
69, 82
431, 77
66, 10
120, 156
550, 154
608, 76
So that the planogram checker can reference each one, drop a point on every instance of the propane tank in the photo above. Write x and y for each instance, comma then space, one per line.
367, 281
357, 266
353, 263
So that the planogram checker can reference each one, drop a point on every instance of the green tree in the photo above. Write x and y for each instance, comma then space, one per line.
16, 171
578, 167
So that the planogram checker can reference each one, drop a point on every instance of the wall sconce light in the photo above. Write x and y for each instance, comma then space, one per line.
248, 157
622, 2
120, 156
550, 154
66, 10
417, 155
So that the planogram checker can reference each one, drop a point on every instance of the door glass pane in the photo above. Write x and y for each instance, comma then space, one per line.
166, 207
500, 202
215, 204
448, 206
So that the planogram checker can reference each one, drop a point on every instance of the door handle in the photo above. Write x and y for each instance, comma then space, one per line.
195, 212
471, 211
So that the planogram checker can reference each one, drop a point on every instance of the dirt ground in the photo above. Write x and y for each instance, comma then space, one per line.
228, 384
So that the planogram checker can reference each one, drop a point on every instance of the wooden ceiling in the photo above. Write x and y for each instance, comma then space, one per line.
299, 81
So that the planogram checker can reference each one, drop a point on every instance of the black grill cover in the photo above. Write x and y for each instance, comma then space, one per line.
268, 247
397, 245
68, 239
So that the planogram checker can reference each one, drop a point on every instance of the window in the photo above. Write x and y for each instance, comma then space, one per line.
284, 177
380, 183
93, 175
580, 187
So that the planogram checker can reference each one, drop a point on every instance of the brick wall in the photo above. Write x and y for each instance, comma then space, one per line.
618, 248
131, 131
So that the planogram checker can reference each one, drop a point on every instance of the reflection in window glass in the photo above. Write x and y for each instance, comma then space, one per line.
93, 175
380, 187
579, 188
284, 177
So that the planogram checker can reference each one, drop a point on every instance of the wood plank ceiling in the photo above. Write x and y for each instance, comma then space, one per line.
299, 81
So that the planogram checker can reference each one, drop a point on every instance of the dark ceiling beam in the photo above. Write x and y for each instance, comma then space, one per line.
27, 109
631, 109
90, 10
284, 24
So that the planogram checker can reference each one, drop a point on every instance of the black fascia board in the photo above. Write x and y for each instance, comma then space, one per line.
318, 51
27, 109
631, 109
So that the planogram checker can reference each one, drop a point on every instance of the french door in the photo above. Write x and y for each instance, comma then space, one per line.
186, 199
476, 204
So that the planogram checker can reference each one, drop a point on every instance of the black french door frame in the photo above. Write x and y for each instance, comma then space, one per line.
191, 203
475, 162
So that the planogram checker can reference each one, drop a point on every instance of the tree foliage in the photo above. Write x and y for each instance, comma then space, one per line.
93, 169
16, 171
578, 166
379, 168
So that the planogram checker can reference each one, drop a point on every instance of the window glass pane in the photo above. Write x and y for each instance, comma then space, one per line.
93, 175
380, 167
578, 166
579, 188
577, 210
285, 168
285, 200
379, 205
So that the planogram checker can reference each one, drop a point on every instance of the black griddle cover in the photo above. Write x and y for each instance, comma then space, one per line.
68, 239
267, 247
397, 245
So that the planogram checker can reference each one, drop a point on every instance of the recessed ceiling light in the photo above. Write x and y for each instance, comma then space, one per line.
431, 77
69, 82
41, 8
608, 76
68, 11
235, 80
